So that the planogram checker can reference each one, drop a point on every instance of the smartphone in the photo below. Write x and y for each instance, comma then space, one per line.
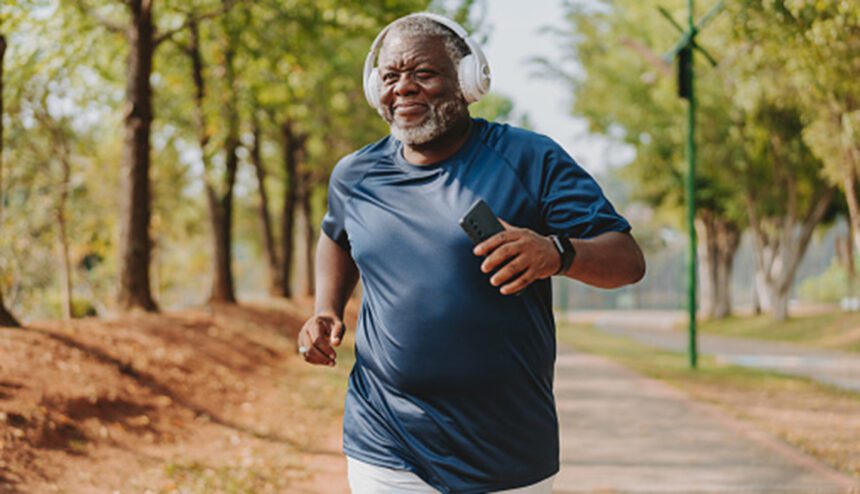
480, 223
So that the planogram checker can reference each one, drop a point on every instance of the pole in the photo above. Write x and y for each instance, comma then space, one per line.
691, 195
683, 52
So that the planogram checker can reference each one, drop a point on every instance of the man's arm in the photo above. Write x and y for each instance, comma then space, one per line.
336, 277
609, 260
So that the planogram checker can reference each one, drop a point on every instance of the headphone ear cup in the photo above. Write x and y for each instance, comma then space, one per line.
371, 89
466, 77
473, 82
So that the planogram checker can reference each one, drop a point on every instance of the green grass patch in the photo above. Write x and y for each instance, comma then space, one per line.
835, 330
674, 366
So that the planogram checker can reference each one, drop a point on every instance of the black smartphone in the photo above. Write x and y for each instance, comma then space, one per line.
480, 223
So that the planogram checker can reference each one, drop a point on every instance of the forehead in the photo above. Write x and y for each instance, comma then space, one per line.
398, 50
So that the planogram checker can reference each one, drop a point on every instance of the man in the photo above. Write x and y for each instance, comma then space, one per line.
452, 385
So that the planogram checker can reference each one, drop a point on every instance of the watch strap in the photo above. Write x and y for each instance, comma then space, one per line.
565, 250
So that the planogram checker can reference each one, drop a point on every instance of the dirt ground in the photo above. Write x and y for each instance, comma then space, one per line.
210, 400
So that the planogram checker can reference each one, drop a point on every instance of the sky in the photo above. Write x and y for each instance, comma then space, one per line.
515, 37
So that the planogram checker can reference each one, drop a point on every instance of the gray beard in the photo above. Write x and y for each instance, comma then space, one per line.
439, 121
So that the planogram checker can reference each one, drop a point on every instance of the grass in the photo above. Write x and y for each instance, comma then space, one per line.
821, 420
835, 330
196, 477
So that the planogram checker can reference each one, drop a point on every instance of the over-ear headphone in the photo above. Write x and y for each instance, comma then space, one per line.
473, 71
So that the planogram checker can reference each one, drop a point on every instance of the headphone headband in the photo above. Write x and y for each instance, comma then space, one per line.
473, 71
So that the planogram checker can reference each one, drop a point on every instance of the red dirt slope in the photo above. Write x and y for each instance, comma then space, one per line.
199, 401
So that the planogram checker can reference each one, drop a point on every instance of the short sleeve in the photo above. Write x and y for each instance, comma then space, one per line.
571, 200
334, 221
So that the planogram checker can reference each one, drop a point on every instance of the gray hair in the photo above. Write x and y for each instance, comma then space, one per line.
455, 46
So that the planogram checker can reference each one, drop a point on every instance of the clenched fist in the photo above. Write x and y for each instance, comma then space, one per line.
317, 337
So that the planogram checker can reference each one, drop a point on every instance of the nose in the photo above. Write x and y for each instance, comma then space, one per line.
405, 85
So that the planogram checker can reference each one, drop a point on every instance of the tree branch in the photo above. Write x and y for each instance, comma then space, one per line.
228, 4
817, 208
106, 23
646, 54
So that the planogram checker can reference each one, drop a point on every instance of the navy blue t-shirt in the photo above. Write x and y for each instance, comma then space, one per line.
453, 380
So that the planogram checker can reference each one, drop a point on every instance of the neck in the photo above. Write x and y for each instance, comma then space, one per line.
441, 148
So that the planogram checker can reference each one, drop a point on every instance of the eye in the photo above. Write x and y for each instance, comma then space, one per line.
389, 77
424, 73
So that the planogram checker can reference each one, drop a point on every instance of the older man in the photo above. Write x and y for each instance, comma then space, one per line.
452, 386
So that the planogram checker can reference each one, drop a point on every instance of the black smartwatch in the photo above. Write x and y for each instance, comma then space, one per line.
565, 250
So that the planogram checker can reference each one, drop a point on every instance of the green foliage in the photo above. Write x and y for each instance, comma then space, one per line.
55, 106
626, 93
807, 52
296, 62
831, 286
493, 107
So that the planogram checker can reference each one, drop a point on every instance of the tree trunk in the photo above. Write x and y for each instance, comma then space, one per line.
756, 294
61, 223
850, 268
290, 148
220, 209
135, 209
850, 187
845, 256
720, 241
6, 317
275, 285
778, 252
220, 205
779, 298
308, 234
706, 261
728, 240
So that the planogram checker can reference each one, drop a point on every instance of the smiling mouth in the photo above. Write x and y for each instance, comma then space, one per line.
409, 108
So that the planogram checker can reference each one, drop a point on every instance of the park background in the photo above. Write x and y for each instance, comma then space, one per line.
172, 157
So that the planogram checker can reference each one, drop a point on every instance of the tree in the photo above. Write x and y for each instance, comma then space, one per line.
284, 90
811, 50
304, 76
219, 191
750, 133
58, 136
784, 214
625, 92
135, 243
6, 317
60, 147
143, 38
272, 260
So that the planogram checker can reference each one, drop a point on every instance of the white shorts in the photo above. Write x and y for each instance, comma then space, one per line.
365, 478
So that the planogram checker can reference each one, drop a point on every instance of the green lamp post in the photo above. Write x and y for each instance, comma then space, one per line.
683, 51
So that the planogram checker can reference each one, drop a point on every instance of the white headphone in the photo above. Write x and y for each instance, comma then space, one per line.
473, 71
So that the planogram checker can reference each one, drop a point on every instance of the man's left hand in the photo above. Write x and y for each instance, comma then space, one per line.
524, 255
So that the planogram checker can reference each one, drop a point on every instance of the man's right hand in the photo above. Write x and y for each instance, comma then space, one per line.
317, 337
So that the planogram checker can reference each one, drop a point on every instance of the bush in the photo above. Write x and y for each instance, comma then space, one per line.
831, 286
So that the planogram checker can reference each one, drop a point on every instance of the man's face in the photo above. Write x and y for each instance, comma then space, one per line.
420, 96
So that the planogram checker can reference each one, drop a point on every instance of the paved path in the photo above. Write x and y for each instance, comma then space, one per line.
654, 328
622, 432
